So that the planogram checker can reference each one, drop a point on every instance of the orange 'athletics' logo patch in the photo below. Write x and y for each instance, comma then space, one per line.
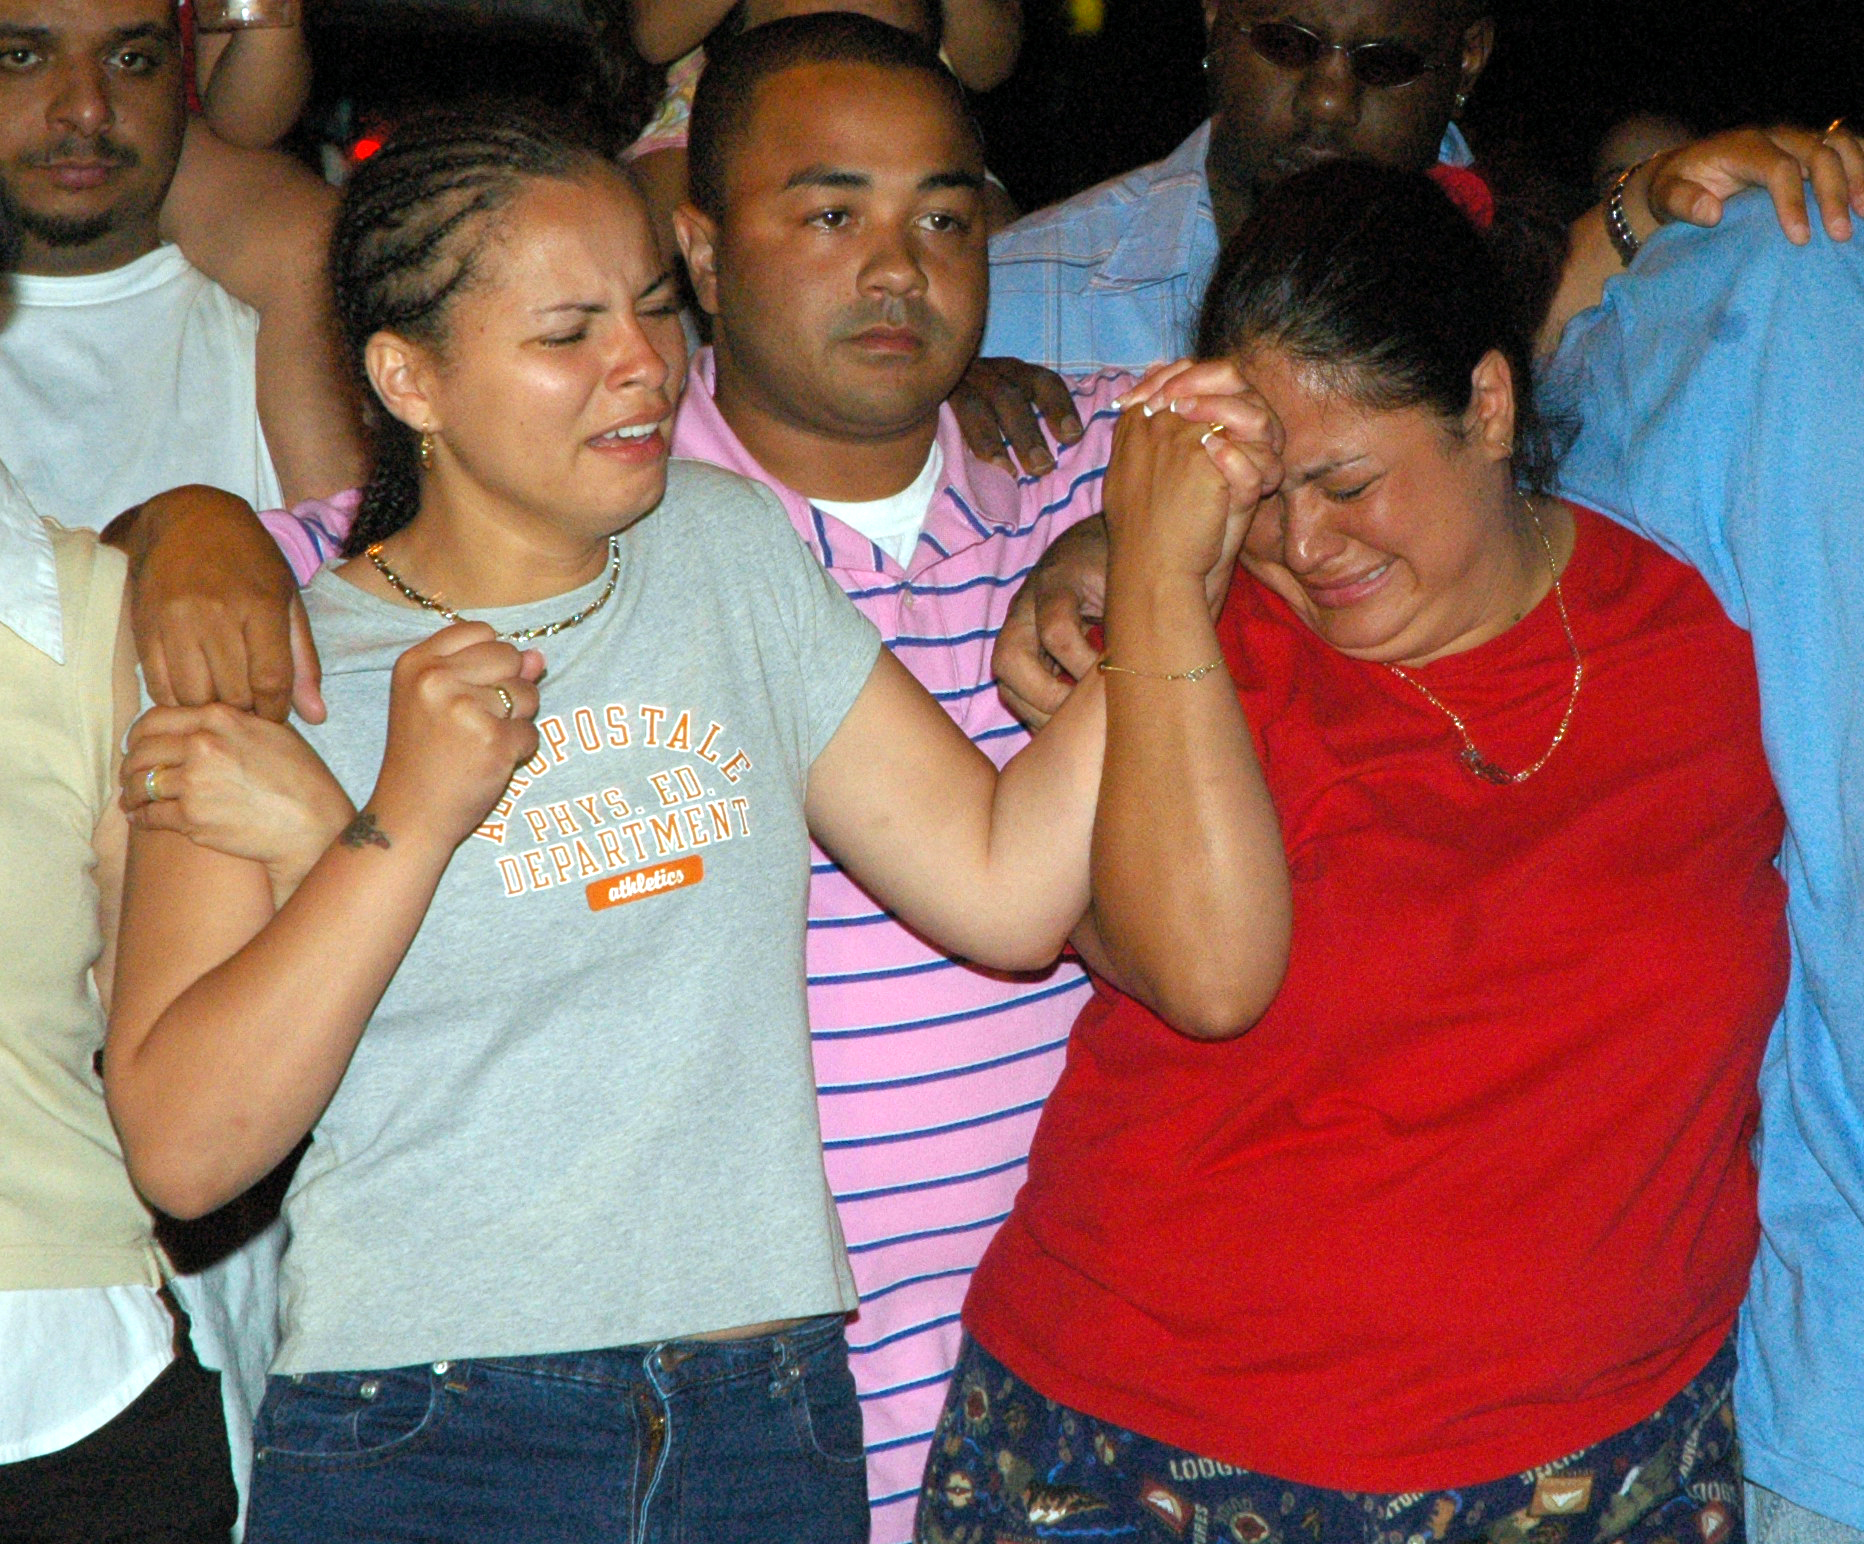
638, 884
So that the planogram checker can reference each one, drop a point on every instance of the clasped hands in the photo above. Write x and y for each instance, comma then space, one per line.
1196, 452
461, 717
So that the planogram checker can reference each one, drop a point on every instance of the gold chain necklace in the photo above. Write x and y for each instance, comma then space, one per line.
523, 634
1478, 764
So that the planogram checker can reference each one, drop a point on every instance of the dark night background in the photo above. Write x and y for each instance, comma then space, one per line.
1081, 108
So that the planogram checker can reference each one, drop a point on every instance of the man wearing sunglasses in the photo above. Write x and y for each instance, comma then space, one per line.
1113, 277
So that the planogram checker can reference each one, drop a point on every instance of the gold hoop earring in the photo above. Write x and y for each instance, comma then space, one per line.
427, 450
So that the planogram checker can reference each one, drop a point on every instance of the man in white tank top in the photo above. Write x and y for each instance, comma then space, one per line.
124, 370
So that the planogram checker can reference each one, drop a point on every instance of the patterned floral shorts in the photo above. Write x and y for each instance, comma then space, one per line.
1010, 1467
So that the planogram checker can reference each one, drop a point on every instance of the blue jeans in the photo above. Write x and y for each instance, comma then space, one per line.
685, 1442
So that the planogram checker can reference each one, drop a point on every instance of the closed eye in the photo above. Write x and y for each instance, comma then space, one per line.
564, 339
1347, 495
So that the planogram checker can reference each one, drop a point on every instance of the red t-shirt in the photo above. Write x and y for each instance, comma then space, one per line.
1475, 1192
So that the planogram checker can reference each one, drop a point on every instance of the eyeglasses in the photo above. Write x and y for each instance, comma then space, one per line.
1379, 64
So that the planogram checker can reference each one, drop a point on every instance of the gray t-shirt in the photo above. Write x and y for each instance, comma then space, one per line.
584, 1113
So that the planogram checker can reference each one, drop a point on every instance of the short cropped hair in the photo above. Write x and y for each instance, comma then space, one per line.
728, 88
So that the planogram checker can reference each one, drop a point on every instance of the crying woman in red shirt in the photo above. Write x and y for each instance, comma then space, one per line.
1449, 1243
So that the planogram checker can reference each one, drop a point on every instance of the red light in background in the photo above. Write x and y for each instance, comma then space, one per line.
364, 148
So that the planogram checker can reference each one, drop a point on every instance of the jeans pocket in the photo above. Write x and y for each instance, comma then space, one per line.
823, 1402
325, 1420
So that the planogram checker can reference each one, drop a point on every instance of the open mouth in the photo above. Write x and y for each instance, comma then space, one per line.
645, 440
1335, 594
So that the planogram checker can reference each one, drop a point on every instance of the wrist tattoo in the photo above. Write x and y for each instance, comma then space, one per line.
364, 832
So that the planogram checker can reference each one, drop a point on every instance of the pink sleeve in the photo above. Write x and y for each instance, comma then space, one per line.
311, 534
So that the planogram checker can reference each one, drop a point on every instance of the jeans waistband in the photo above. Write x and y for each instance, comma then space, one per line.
676, 1364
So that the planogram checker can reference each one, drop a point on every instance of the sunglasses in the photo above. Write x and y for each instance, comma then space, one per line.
1378, 64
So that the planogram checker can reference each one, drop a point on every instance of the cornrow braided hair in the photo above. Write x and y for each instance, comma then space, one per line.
414, 223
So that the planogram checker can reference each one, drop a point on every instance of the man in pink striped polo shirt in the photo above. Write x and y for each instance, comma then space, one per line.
837, 240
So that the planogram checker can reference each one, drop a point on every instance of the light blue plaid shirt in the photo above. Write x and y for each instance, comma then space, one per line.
1114, 276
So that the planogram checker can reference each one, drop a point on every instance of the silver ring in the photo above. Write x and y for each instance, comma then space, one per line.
505, 697
148, 786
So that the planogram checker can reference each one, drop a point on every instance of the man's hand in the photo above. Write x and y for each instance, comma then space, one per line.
1002, 405
215, 609
1693, 182
1043, 647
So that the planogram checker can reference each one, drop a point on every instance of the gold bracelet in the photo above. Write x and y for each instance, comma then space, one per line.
1197, 674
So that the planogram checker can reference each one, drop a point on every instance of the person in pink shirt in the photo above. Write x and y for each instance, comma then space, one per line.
837, 243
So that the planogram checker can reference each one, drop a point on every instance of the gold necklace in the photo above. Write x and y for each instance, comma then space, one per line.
523, 634
1478, 764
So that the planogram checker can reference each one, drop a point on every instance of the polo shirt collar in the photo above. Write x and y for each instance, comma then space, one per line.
975, 502
29, 605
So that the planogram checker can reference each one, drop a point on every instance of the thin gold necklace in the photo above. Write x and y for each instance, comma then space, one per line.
523, 634
1478, 764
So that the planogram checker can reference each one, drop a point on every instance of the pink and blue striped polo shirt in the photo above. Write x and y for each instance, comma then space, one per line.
931, 1072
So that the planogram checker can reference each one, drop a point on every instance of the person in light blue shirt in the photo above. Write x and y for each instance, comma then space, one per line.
1114, 276
1722, 391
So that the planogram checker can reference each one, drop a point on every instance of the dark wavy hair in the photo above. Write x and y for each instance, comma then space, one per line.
1374, 280
413, 226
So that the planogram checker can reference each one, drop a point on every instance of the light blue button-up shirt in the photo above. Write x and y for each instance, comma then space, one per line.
1721, 385
1113, 277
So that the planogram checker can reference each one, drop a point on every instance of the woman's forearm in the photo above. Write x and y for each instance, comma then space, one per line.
1190, 882
212, 1088
991, 866
1033, 849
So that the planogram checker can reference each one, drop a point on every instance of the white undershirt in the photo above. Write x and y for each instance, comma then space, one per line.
74, 1358
121, 384
893, 524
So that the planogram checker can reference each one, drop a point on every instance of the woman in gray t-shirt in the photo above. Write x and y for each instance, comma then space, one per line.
562, 1251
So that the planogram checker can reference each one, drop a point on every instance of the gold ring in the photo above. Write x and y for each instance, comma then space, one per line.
1204, 438
151, 793
1830, 129
505, 697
